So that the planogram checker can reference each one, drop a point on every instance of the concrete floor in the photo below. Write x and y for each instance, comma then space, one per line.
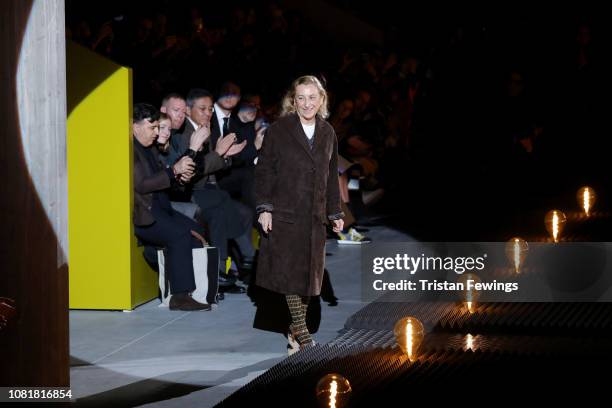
156, 357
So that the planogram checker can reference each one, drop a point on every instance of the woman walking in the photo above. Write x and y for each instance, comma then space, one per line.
297, 194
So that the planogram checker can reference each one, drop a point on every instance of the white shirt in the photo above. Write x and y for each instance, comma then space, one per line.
220, 116
309, 130
195, 125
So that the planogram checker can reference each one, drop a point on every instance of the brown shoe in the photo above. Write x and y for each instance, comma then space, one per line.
183, 301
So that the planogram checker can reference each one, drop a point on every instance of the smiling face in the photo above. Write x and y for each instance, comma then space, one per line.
308, 101
201, 111
164, 131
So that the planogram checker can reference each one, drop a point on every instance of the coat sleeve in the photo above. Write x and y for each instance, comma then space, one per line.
266, 172
144, 184
213, 162
334, 211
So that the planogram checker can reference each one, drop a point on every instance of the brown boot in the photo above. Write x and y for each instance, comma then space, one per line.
184, 301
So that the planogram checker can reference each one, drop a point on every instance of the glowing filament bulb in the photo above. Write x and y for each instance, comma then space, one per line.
333, 393
469, 293
555, 221
469, 342
516, 252
409, 333
586, 199
470, 300
409, 339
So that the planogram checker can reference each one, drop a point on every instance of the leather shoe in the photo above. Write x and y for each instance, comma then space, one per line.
226, 280
232, 289
184, 301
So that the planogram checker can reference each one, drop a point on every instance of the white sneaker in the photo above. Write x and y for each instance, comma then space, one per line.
352, 237
293, 346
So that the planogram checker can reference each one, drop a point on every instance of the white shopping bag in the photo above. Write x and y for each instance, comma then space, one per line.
206, 274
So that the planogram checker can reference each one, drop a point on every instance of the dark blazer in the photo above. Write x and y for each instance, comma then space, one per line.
147, 180
215, 131
240, 129
208, 161
244, 131
300, 187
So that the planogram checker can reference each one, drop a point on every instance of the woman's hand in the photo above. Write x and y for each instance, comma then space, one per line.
265, 220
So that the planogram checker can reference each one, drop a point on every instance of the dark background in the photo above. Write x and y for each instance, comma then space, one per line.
462, 175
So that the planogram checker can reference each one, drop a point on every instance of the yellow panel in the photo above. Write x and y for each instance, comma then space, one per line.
107, 270
145, 284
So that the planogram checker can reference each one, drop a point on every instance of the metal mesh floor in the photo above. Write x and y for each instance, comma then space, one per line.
522, 345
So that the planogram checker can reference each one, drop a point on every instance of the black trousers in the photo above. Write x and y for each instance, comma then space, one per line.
226, 218
172, 230
273, 314
240, 183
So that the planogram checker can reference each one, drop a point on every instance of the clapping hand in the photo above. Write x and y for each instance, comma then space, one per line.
198, 137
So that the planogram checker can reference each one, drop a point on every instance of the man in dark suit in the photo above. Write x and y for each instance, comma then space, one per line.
222, 122
155, 222
238, 178
227, 219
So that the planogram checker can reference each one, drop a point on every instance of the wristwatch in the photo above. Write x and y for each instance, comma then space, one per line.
191, 154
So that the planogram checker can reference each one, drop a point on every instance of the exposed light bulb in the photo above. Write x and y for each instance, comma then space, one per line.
555, 222
469, 342
409, 334
586, 199
333, 391
516, 252
469, 293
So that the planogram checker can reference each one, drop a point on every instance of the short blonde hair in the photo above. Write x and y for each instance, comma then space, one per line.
288, 105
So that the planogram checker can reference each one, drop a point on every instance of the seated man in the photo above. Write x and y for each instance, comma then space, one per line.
226, 218
155, 222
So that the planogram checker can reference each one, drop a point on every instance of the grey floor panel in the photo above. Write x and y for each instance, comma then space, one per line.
159, 358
